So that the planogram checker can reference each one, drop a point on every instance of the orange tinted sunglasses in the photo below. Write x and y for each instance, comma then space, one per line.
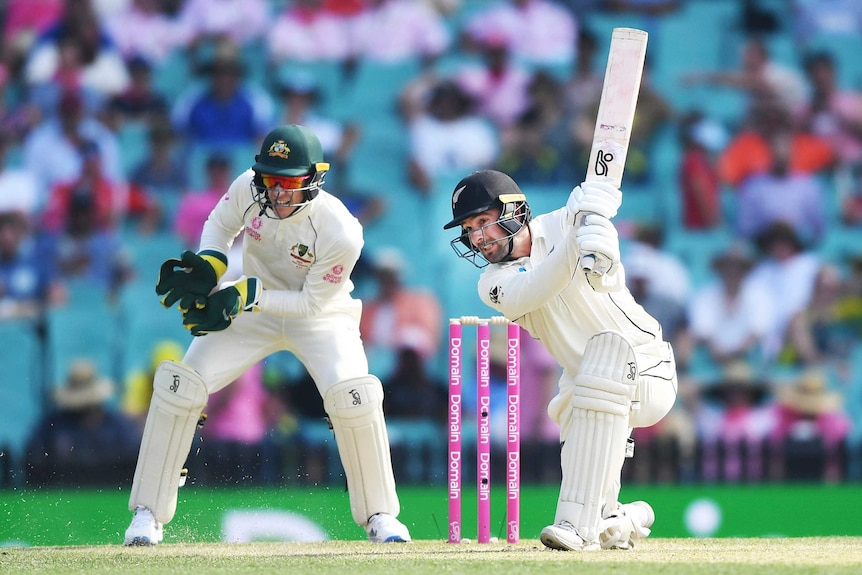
286, 182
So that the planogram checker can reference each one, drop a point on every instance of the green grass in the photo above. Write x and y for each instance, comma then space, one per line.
768, 556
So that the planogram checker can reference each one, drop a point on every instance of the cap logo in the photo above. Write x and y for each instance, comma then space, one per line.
457, 195
279, 149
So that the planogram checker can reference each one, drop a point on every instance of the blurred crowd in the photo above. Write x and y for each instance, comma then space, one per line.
123, 121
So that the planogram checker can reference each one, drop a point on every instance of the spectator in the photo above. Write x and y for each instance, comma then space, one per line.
28, 277
499, 86
163, 172
538, 32
835, 114
76, 53
19, 187
582, 88
226, 112
92, 256
807, 411
413, 32
203, 21
143, 29
395, 308
195, 207
761, 78
537, 148
448, 136
825, 331
669, 312
411, 392
82, 441
540, 435
787, 271
309, 31
61, 138
135, 399
24, 21
733, 448
239, 417
113, 203
699, 182
301, 99
831, 112
139, 102
647, 248
730, 317
584, 84
750, 150
781, 194
834, 18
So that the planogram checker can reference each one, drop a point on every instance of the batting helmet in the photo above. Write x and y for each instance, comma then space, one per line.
479, 192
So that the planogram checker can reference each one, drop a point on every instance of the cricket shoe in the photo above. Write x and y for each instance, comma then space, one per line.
564, 537
629, 523
384, 528
144, 529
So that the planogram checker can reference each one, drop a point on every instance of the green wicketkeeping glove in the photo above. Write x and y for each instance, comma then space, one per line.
190, 279
223, 306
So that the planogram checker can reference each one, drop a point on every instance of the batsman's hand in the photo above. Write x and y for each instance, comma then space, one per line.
597, 197
189, 279
223, 307
598, 243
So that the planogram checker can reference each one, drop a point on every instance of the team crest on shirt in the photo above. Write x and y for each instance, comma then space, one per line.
300, 256
278, 149
495, 294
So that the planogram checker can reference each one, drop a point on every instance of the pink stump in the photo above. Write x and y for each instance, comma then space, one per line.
454, 471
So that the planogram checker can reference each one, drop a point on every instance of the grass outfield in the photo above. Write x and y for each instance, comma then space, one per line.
778, 556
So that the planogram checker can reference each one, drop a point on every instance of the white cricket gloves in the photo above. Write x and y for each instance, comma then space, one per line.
596, 197
591, 207
596, 236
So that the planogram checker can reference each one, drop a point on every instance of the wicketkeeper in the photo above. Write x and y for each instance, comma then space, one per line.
618, 373
299, 249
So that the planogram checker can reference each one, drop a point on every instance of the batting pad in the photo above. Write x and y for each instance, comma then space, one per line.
355, 409
594, 441
179, 396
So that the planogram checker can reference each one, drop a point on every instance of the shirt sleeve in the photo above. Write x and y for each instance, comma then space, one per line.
226, 220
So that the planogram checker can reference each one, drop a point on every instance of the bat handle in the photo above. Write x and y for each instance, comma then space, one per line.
588, 261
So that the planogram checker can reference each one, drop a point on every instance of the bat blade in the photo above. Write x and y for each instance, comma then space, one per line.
617, 105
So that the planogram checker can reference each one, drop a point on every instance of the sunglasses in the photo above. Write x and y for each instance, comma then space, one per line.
286, 182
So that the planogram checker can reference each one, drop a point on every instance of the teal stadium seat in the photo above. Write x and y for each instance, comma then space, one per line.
21, 391
82, 330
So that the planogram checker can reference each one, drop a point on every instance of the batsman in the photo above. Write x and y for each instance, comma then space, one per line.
300, 247
618, 372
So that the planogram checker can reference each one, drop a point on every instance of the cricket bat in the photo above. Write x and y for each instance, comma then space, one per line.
616, 110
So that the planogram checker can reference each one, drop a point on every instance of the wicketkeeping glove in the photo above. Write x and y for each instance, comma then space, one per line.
223, 307
190, 279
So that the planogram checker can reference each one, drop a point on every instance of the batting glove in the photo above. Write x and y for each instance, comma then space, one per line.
596, 197
190, 279
597, 237
223, 307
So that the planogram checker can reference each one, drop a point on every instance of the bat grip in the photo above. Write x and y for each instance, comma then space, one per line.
588, 261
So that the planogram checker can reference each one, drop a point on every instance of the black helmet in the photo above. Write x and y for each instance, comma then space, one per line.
481, 191
292, 151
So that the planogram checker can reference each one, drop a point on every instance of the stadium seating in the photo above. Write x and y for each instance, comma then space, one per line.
22, 393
